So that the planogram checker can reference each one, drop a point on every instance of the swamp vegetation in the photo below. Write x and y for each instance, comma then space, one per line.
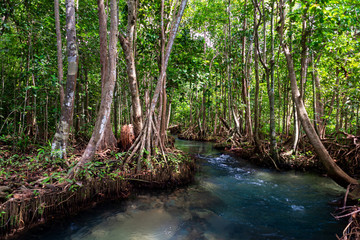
91, 90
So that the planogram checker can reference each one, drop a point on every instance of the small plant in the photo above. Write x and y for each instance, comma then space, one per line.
36, 193
23, 142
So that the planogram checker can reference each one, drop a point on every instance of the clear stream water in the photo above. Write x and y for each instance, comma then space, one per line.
230, 200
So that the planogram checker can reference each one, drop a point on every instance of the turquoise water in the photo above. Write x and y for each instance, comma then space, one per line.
230, 200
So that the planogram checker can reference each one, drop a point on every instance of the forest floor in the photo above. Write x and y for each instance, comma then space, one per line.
35, 188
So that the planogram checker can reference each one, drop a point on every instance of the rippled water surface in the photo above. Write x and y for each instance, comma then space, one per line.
230, 200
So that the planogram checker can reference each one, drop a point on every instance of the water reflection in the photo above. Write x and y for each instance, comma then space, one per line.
231, 200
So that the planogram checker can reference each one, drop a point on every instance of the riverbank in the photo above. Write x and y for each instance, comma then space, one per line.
230, 199
344, 149
34, 189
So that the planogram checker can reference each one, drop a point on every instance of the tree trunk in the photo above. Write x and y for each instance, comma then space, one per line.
246, 87
116, 109
257, 83
106, 93
319, 105
249, 130
144, 143
269, 76
59, 51
58, 148
334, 171
228, 63
127, 44
108, 141
271, 92
163, 121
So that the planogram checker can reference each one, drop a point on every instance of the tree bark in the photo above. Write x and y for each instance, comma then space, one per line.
108, 141
303, 74
271, 91
144, 143
163, 121
127, 44
319, 105
61, 137
246, 87
333, 170
59, 51
257, 81
269, 76
106, 93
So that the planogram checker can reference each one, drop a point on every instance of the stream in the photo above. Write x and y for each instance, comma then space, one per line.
230, 199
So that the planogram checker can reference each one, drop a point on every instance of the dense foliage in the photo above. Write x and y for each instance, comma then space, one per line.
212, 70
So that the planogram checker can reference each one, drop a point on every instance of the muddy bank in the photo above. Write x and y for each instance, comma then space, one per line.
28, 207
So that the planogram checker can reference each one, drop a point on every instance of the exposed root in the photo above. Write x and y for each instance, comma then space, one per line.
352, 230
38, 205
191, 133
146, 145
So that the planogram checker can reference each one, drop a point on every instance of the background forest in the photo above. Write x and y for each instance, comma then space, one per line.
275, 81
227, 66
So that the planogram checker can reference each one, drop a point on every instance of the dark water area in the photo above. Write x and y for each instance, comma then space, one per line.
230, 200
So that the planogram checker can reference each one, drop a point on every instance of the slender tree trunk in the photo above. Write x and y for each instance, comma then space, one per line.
303, 74
269, 76
319, 105
216, 108
271, 91
144, 143
357, 129
228, 63
333, 170
59, 51
248, 101
61, 137
245, 85
257, 81
163, 122
168, 115
191, 103
127, 44
106, 93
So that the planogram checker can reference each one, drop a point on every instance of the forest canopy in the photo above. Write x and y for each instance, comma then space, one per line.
227, 65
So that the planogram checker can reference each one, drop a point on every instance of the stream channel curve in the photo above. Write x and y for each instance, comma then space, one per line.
230, 199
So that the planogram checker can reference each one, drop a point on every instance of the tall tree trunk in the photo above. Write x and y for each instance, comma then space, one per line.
319, 105
228, 63
303, 74
59, 51
61, 137
245, 85
269, 76
257, 81
271, 91
144, 143
127, 44
106, 92
108, 141
248, 101
163, 121
333, 170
